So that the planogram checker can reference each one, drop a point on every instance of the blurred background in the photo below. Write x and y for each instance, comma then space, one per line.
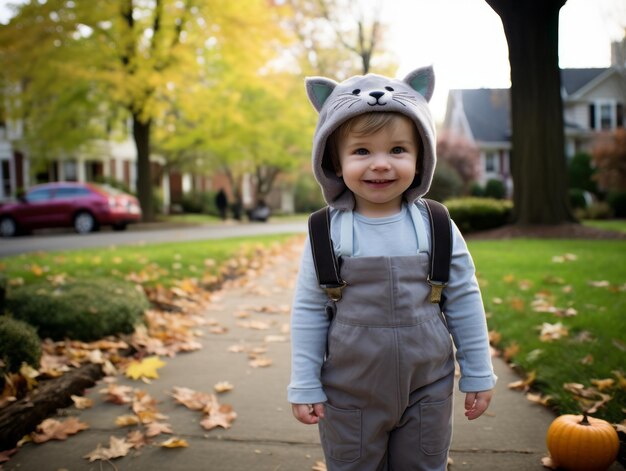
175, 100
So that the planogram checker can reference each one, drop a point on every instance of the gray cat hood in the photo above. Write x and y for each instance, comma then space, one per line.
338, 102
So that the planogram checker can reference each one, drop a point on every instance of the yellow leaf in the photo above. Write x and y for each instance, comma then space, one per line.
603, 384
146, 368
174, 442
126, 420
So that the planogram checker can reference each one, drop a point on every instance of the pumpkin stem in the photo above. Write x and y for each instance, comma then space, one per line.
585, 421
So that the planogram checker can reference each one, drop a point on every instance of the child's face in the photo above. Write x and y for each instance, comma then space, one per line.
379, 167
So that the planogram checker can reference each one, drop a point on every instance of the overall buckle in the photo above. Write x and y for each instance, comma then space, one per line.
334, 291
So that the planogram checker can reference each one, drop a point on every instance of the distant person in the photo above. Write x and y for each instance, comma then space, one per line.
372, 356
221, 201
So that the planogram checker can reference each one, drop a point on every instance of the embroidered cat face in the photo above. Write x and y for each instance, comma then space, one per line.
338, 102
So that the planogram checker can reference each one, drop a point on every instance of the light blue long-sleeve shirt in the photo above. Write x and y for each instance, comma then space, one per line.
388, 236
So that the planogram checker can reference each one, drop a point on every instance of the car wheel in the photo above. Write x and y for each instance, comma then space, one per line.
84, 222
8, 228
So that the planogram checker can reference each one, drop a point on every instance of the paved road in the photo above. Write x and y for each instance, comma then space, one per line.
142, 234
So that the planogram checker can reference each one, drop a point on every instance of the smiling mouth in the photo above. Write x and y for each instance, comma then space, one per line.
378, 182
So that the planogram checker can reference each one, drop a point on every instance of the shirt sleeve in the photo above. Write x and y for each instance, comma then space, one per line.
465, 316
309, 328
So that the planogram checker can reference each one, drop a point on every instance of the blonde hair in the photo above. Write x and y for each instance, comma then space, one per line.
364, 125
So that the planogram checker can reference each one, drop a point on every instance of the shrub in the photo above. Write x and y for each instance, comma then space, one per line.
200, 202
495, 189
446, 184
19, 343
3, 291
617, 202
88, 309
580, 173
598, 210
476, 189
478, 214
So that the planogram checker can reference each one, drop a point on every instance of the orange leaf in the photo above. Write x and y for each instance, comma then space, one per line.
51, 429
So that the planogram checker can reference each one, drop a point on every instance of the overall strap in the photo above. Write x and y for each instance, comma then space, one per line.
441, 248
324, 259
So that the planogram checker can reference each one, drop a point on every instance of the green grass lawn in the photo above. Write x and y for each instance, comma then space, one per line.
607, 224
584, 291
164, 264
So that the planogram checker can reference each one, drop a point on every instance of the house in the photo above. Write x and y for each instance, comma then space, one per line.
593, 101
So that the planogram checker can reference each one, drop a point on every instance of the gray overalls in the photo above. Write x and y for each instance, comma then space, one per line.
389, 370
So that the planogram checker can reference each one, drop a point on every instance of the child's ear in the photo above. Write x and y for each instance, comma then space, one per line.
422, 81
319, 89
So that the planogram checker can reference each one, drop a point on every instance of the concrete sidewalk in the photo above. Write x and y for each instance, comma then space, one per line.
265, 437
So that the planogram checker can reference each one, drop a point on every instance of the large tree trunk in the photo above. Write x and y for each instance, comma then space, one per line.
141, 134
538, 163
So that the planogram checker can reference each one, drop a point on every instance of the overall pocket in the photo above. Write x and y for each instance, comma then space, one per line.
340, 433
436, 426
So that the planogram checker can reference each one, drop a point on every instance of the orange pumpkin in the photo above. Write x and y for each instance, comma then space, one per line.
582, 443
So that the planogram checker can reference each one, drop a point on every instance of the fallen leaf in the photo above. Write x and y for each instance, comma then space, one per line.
146, 368
118, 394
524, 384
81, 402
157, 428
261, 362
118, 447
551, 332
603, 384
587, 360
127, 420
174, 442
52, 429
194, 400
136, 438
222, 417
30, 375
599, 284
223, 386
539, 399
547, 462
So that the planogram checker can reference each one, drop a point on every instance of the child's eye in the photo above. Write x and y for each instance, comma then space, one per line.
398, 150
361, 151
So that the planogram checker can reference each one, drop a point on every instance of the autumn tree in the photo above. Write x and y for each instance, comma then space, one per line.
339, 38
609, 158
137, 53
460, 154
538, 164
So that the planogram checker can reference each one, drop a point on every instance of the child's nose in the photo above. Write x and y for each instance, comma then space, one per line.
380, 162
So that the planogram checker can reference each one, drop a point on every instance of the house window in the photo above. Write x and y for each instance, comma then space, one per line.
606, 116
491, 162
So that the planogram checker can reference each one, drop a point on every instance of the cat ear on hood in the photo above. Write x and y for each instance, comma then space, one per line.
319, 89
422, 80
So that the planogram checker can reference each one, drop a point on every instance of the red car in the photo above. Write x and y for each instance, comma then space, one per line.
83, 206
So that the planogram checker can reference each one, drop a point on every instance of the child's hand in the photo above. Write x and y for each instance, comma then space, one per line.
476, 403
308, 413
